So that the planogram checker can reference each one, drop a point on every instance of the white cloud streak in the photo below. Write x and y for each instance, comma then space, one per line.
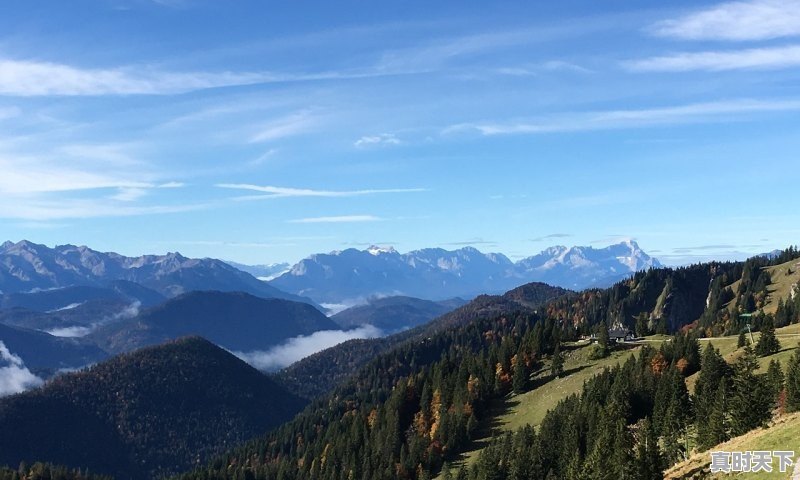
32, 78
75, 331
735, 21
339, 219
46, 210
129, 194
617, 119
288, 126
298, 348
747, 59
14, 376
285, 192
383, 139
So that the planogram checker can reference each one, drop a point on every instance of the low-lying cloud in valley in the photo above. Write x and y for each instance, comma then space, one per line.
75, 331
298, 348
14, 376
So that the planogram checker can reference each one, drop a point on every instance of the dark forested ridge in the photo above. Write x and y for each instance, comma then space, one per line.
156, 411
391, 314
59, 298
46, 354
321, 372
234, 320
46, 471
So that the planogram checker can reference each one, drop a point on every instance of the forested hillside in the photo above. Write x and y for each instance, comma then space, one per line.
45, 471
416, 406
321, 372
156, 411
235, 320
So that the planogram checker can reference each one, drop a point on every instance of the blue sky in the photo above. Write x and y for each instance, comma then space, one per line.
263, 131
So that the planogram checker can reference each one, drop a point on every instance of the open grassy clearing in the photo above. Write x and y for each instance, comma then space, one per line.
783, 276
789, 337
515, 411
529, 408
783, 435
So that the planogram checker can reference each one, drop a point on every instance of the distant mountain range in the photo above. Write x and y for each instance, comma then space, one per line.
99, 322
263, 272
435, 274
26, 267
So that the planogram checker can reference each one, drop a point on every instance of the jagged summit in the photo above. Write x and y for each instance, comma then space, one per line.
26, 266
436, 273
379, 250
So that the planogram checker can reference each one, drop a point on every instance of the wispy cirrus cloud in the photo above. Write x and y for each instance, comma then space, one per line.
717, 247
551, 236
44, 210
633, 118
471, 242
735, 21
538, 69
26, 175
171, 185
287, 126
284, 192
382, 139
339, 219
716, 61
129, 194
27, 78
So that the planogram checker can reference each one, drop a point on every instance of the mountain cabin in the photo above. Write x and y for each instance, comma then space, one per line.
620, 335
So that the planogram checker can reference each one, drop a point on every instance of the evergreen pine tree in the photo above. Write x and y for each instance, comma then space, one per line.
642, 328
742, 341
649, 462
603, 339
713, 373
768, 343
793, 382
462, 473
520, 381
557, 365
717, 425
775, 379
750, 404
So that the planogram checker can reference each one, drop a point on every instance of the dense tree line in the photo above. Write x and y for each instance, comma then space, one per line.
154, 412
417, 411
728, 311
322, 372
634, 420
655, 301
413, 407
45, 471
407, 411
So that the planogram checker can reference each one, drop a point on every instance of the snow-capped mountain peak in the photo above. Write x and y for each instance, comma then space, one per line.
436, 273
378, 250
